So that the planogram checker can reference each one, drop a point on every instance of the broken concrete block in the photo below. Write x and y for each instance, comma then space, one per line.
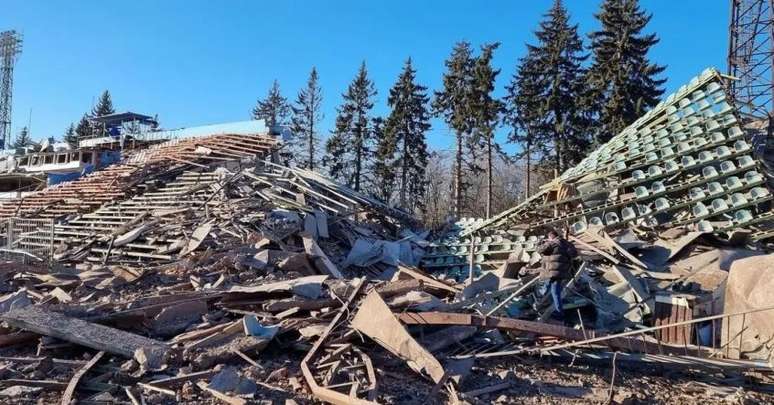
253, 327
228, 380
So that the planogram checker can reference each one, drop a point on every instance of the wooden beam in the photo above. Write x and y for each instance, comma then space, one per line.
98, 337
540, 328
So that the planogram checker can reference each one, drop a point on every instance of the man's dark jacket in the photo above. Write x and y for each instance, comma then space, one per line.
557, 257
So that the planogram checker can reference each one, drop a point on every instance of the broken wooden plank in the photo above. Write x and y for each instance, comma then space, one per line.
301, 304
133, 397
375, 320
221, 396
309, 287
404, 273
595, 249
47, 384
540, 328
324, 393
98, 337
399, 287
166, 382
16, 338
197, 237
164, 391
311, 247
487, 390
67, 396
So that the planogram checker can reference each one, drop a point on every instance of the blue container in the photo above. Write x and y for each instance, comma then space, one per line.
704, 334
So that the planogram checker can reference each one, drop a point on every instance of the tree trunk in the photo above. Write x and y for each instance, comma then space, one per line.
458, 178
559, 152
403, 174
488, 176
311, 141
528, 171
358, 159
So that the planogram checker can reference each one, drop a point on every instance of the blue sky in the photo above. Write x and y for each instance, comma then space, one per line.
199, 62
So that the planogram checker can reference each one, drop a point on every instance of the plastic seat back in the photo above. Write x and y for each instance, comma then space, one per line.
704, 226
733, 183
719, 204
741, 146
696, 193
742, 216
611, 218
738, 199
706, 157
745, 161
688, 161
662, 204
714, 188
709, 172
727, 167
759, 192
699, 210
722, 151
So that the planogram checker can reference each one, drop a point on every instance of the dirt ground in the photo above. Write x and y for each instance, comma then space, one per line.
531, 380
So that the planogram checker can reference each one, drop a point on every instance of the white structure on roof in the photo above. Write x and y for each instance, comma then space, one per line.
252, 127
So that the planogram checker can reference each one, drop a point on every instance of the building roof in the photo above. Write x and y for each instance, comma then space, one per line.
128, 116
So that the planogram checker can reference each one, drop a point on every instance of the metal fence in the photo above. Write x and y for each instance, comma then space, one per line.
27, 240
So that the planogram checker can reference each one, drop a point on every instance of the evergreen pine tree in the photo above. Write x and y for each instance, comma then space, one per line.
452, 103
84, 128
274, 109
622, 83
306, 116
405, 131
543, 95
523, 114
384, 162
486, 110
104, 105
70, 136
23, 139
350, 149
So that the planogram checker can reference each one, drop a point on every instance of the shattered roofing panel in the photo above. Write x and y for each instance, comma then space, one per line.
686, 162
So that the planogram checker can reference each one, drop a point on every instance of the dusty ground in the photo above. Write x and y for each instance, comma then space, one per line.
532, 381
536, 381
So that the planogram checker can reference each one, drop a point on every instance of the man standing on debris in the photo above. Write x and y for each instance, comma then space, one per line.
557, 255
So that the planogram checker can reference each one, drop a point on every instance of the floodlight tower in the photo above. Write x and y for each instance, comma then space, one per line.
10, 48
751, 58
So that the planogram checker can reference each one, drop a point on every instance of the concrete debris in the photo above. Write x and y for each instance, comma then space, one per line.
19, 390
228, 380
749, 286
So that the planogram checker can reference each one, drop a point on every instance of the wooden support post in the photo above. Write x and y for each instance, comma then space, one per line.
741, 331
728, 336
472, 256
51, 243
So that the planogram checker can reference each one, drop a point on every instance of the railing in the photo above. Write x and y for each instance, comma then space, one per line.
27, 240
718, 346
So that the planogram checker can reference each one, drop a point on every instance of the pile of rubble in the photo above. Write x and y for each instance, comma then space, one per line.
217, 276
274, 318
